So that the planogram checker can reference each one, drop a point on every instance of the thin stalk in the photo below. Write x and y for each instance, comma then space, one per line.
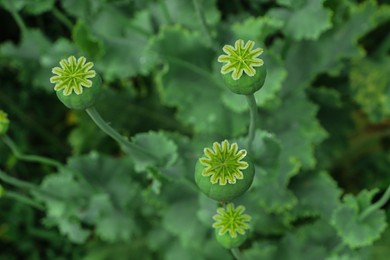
19, 21
62, 18
23, 199
26, 157
26, 185
236, 253
253, 118
377, 205
129, 147
202, 19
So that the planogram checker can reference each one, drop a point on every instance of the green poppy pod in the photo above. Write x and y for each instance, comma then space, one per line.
77, 85
229, 242
84, 100
243, 71
231, 225
221, 174
246, 85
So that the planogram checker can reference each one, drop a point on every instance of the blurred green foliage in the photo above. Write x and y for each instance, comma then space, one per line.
324, 128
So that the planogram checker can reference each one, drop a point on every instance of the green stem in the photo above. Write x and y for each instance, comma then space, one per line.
26, 185
165, 11
202, 19
127, 146
253, 116
62, 18
236, 253
377, 205
29, 158
23, 199
19, 21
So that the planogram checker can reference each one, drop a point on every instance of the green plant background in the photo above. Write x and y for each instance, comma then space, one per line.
321, 149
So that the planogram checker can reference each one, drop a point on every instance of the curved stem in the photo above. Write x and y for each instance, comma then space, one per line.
19, 21
127, 146
253, 116
377, 205
236, 253
29, 158
26, 185
23, 199
202, 19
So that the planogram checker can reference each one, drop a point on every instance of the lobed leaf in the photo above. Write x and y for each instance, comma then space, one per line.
354, 231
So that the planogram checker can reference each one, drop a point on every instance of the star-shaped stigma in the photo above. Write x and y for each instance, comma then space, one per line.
231, 220
223, 163
240, 58
73, 75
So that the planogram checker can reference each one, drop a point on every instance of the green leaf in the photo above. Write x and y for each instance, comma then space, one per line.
125, 44
180, 221
310, 241
13, 5
354, 231
187, 83
25, 55
158, 145
256, 28
73, 230
111, 225
306, 59
273, 173
266, 150
317, 193
271, 187
275, 197
306, 21
268, 96
260, 250
83, 9
107, 175
183, 12
266, 223
86, 41
35, 56
299, 134
64, 202
36, 7
326, 97
95, 190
